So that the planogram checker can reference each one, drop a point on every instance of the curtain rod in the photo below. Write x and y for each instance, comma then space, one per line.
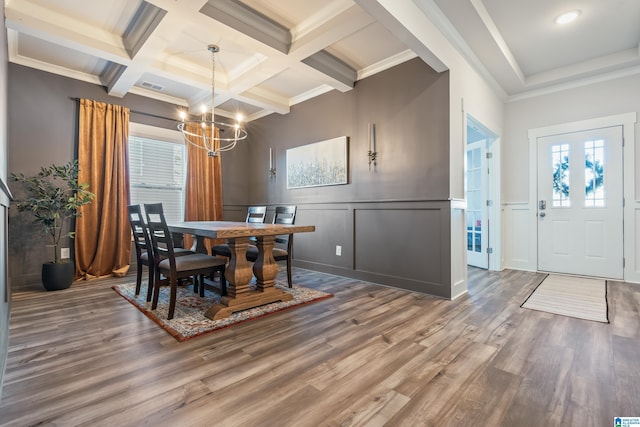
139, 112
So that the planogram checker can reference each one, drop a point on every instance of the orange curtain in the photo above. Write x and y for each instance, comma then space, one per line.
203, 192
103, 237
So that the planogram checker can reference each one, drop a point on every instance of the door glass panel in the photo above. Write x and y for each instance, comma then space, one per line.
474, 200
594, 173
477, 238
476, 158
560, 167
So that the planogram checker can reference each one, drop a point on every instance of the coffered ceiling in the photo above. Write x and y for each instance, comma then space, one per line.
277, 53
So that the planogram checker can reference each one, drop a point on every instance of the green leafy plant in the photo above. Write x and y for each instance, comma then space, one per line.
54, 197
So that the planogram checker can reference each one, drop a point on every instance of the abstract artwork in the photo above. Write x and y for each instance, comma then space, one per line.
317, 164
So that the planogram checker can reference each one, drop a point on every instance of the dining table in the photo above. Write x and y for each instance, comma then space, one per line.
239, 273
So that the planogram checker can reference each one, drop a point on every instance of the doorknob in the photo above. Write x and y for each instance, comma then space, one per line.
542, 214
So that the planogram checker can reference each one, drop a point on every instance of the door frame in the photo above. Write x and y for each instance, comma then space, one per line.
631, 270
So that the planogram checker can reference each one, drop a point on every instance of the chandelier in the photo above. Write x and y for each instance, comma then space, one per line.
202, 133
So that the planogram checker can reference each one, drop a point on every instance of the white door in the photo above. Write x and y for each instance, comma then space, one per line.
580, 203
476, 196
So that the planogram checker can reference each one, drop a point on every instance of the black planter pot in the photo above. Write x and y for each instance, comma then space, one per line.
57, 276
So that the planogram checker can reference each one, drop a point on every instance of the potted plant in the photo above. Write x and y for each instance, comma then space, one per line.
54, 198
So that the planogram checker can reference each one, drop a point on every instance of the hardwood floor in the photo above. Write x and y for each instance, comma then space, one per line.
85, 356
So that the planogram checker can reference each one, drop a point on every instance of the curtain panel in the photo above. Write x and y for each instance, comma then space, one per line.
103, 236
203, 191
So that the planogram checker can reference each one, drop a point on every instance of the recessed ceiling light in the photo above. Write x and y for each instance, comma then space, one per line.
565, 18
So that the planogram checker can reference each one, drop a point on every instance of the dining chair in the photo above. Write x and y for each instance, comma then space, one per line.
284, 243
174, 267
143, 247
255, 214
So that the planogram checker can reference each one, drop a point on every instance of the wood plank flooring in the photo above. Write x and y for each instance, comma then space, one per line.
369, 356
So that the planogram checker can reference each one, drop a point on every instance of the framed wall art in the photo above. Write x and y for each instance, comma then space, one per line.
318, 164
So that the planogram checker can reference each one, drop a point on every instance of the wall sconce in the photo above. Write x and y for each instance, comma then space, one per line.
372, 153
272, 162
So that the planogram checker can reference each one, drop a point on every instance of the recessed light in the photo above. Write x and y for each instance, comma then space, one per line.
565, 18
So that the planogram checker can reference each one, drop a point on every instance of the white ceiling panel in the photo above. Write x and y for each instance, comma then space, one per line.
290, 83
371, 45
539, 44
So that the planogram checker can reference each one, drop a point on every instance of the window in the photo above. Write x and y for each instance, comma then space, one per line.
560, 165
157, 164
594, 173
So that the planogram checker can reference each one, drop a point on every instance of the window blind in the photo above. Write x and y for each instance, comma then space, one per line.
157, 174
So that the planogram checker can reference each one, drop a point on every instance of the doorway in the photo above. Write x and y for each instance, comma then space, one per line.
580, 203
478, 170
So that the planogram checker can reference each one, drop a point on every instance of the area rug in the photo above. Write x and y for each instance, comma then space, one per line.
578, 297
189, 321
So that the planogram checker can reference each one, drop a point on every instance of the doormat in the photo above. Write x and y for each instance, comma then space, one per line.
188, 319
583, 298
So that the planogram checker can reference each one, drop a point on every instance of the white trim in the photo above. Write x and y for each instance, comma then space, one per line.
627, 121
153, 132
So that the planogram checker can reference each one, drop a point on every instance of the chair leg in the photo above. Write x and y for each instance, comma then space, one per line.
289, 280
138, 278
156, 289
173, 297
201, 280
223, 282
150, 284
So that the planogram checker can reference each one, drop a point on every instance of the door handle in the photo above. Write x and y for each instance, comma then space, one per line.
542, 214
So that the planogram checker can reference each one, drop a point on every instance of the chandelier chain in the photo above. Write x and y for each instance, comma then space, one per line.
213, 49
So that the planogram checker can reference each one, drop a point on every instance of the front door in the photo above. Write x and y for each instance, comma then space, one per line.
580, 203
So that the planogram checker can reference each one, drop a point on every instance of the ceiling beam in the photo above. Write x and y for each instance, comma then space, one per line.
247, 21
333, 67
143, 24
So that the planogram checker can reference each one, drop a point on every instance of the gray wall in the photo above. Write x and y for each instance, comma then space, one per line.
5, 291
393, 221
43, 130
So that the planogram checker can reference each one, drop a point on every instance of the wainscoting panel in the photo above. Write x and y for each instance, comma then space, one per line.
400, 243
517, 235
333, 228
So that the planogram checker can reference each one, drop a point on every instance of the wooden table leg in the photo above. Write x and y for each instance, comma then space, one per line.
238, 274
265, 268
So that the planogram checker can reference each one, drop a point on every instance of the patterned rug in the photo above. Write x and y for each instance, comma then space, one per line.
189, 321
